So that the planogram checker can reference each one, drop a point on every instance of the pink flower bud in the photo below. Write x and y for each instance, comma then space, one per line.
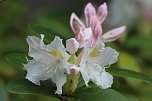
102, 13
76, 23
72, 45
96, 26
74, 70
89, 12
113, 34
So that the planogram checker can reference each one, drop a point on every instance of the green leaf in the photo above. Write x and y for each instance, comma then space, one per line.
98, 94
12, 44
24, 86
7, 70
59, 28
36, 30
128, 73
139, 42
10, 8
16, 59
131, 62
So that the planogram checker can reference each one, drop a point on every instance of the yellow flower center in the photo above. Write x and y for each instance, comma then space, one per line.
94, 53
57, 53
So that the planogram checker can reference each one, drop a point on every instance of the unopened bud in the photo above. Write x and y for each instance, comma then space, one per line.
72, 45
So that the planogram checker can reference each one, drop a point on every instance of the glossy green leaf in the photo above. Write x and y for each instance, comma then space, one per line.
26, 87
129, 74
98, 94
16, 59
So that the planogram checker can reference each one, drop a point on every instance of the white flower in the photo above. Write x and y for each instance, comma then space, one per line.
49, 61
93, 63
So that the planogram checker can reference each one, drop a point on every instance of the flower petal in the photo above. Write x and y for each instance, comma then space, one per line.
59, 78
105, 80
57, 49
90, 71
102, 13
106, 57
76, 23
113, 34
84, 36
36, 47
36, 72
89, 12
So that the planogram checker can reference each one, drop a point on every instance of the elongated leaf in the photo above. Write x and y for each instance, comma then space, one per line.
97, 94
58, 27
36, 30
24, 86
128, 73
7, 70
139, 42
7, 10
16, 59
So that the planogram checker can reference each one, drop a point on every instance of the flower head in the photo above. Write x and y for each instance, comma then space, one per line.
94, 18
49, 61
53, 62
93, 63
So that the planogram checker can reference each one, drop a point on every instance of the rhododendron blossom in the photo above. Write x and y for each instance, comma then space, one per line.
63, 65
94, 19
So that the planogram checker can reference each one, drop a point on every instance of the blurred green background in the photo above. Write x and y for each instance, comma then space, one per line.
18, 18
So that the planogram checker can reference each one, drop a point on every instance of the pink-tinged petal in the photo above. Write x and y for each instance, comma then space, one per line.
80, 37
93, 22
89, 11
72, 45
113, 34
75, 23
97, 31
74, 70
102, 13
84, 36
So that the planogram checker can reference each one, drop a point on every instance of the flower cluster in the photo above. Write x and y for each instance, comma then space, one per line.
56, 62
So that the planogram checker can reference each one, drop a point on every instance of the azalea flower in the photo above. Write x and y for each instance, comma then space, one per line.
49, 61
93, 63
93, 19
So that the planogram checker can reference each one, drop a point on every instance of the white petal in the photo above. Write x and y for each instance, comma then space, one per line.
107, 57
36, 47
59, 78
105, 80
91, 72
85, 74
57, 44
36, 72
84, 36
